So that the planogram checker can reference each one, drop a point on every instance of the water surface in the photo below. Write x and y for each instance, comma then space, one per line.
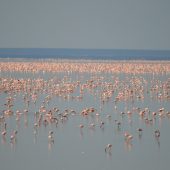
84, 148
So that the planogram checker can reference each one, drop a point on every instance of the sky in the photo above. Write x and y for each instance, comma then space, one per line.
94, 24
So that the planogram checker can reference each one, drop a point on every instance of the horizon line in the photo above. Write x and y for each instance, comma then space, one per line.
106, 49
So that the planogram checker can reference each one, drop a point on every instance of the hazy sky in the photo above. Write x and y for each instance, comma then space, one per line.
110, 24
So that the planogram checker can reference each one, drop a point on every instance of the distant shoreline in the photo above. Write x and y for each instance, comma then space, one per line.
79, 60
86, 54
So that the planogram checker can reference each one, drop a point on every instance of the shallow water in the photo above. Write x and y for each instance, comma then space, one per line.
84, 148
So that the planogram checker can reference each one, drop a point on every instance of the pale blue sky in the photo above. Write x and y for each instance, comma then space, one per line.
108, 24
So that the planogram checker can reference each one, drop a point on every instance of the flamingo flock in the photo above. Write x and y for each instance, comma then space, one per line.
133, 87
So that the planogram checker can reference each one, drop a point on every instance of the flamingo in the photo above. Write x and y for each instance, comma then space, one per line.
81, 126
4, 131
50, 136
13, 136
101, 124
157, 133
108, 147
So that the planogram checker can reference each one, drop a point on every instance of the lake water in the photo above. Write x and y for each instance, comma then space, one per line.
73, 147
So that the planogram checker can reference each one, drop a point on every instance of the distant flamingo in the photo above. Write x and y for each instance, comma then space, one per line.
108, 147
157, 133
4, 131
50, 136
13, 136
81, 126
